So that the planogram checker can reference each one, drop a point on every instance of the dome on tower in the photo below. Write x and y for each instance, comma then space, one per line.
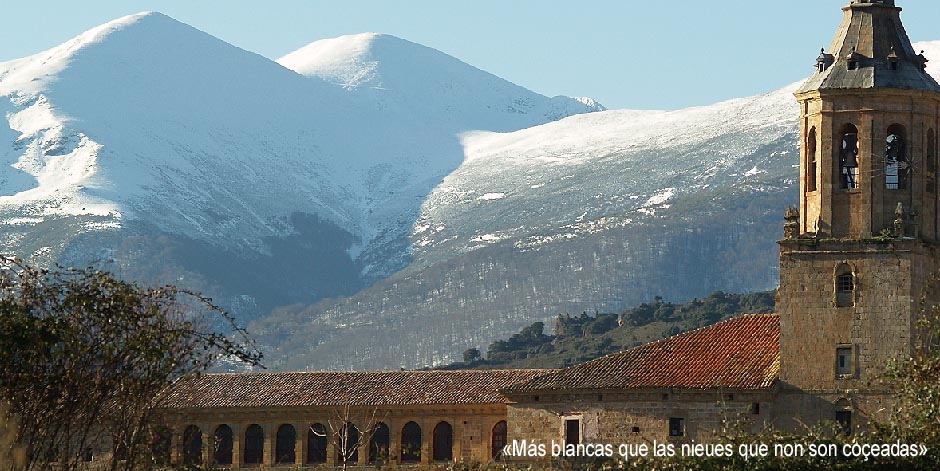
871, 50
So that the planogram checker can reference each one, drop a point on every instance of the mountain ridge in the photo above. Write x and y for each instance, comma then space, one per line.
148, 131
383, 66
379, 228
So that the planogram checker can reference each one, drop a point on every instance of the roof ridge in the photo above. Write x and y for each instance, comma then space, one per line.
680, 334
500, 370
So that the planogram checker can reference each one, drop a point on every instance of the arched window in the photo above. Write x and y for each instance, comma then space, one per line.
223, 445
443, 442
811, 161
192, 446
897, 167
379, 443
931, 161
848, 157
348, 447
254, 444
845, 286
317, 441
161, 440
411, 443
499, 439
286, 444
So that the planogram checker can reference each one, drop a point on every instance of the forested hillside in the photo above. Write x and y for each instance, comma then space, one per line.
576, 339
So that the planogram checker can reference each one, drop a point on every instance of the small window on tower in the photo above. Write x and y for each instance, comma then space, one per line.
845, 286
843, 361
853, 65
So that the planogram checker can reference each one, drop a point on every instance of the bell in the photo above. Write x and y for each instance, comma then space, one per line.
849, 159
849, 155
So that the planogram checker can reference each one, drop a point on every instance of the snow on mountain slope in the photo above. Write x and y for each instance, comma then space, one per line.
608, 168
145, 136
598, 211
412, 78
148, 118
595, 211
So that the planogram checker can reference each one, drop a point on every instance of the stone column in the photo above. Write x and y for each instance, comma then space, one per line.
270, 431
364, 442
332, 447
300, 446
394, 441
427, 435
176, 445
238, 435
458, 430
208, 444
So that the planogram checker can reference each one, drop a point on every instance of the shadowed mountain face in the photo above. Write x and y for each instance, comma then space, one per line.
402, 205
171, 156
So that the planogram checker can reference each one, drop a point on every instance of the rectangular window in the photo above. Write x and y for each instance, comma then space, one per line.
676, 427
844, 419
572, 431
845, 283
844, 361
845, 290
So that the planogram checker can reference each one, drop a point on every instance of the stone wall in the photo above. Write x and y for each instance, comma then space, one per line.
877, 325
640, 416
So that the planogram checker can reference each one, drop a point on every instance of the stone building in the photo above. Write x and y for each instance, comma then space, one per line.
853, 276
681, 388
293, 419
855, 263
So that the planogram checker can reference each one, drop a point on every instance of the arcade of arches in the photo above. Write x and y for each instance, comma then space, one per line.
309, 419
406, 439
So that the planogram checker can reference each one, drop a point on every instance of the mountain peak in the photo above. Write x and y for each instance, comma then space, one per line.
34, 73
353, 60
397, 74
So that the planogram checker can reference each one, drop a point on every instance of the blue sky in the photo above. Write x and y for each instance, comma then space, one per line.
650, 54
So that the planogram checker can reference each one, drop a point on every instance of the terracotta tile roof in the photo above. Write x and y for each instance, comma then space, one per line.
341, 388
739, 353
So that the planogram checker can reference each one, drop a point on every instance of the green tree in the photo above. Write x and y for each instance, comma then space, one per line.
84, 358
471, 355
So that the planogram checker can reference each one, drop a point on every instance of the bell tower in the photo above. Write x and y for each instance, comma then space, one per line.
855, 258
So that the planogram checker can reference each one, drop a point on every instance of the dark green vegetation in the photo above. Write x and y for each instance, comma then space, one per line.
586, 337
85, 356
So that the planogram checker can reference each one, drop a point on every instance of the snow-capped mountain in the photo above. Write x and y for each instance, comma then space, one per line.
599, 211
438, 95
593, 212
183, 158
386, 69
402, 205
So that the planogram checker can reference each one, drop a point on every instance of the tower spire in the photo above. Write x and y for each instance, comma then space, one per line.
871, 50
